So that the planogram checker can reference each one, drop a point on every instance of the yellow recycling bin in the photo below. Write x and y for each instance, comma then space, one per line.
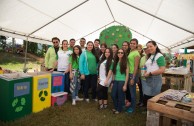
41, 94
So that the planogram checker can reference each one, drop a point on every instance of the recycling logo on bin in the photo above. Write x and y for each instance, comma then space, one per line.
42, 84
18, 104
20, 89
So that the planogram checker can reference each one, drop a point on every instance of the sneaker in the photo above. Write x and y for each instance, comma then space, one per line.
116, 112
105, 106
74, 102
100, 106
95, 100
79, 99
129, 110
88, 100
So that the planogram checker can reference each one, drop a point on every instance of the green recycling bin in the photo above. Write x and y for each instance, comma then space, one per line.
15, 96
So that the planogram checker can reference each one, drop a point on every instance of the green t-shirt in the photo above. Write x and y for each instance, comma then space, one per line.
161, 61
92, 66
119, 76
131, 60
75, 64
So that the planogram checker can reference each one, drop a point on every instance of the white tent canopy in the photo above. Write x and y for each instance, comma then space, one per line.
168, 22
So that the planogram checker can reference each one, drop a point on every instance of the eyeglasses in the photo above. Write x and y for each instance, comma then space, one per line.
120, 52
124, 45
55, 42
82, 41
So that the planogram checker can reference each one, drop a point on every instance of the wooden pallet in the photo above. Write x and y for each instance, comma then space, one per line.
172, 109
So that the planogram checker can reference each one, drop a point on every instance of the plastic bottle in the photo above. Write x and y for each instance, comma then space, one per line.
143, 70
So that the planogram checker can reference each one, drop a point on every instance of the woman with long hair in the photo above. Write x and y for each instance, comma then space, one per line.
155, 65
63, 63
88, 70
105, 77
74, 73
133, 59
115, 48
120, 72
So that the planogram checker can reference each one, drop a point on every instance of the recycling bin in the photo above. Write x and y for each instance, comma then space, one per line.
57, 82
15, 96
59, 98
41, 94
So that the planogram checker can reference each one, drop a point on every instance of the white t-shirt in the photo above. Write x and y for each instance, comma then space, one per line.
102, 74
153, 66
63, 60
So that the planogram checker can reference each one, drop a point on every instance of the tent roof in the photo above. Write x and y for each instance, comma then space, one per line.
168, 22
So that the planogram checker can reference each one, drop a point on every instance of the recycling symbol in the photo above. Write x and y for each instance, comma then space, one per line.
42, 95
18, 105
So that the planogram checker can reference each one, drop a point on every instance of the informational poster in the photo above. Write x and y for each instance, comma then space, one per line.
22, 88
42, 83
57, 80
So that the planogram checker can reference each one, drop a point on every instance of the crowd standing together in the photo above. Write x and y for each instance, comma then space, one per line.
98, 67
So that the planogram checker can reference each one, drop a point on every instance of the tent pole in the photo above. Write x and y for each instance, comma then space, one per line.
157, 17
110, 10
25, 69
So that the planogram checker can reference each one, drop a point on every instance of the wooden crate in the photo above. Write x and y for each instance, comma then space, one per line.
166, 112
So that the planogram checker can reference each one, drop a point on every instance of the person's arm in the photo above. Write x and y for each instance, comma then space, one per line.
108, 77
70, 71
126, 79
81, 67
137, 58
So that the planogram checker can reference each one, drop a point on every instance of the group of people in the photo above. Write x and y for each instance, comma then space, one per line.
99, 67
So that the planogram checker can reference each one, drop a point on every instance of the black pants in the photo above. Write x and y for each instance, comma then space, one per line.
90, 81
128, 94
145, 99
102, 92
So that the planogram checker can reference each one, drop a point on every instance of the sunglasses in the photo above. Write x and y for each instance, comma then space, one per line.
55, 42
82, 41
120, 52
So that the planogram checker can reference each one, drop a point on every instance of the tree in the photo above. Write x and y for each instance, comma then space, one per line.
3, 42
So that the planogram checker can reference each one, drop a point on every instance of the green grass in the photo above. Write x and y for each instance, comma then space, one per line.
15, 62
83, 114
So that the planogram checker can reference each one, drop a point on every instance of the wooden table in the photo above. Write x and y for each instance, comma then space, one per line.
162, 112
180, 79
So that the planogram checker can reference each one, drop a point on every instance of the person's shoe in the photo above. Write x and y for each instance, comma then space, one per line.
74, 102
129, 110
105, 106
95, 100
87, 100
141, 105
79, 99
100, 107
116, 112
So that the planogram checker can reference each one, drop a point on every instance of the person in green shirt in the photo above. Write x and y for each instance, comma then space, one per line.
74, 74
71, 44
51, 55
133, 63
120, 72
88, 70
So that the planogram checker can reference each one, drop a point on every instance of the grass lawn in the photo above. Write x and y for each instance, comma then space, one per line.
15, 62
83, 114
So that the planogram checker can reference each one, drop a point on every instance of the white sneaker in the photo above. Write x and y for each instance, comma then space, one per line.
79, 99
88, 100
73, 102
95, 100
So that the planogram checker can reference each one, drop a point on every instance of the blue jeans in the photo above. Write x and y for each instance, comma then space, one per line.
133, 91
117, 94
75, 91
